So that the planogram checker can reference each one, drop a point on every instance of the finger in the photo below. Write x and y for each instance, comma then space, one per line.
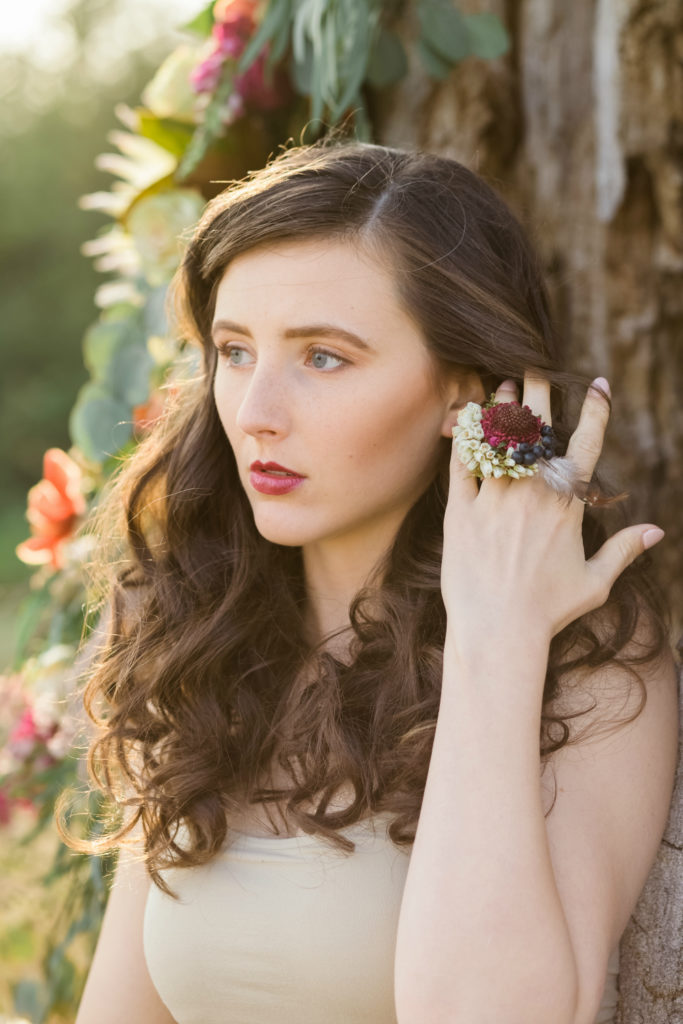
463, 485
585, 443
506, 392
619, 551
537, 395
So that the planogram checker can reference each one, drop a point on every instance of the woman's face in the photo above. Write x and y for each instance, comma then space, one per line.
360, 422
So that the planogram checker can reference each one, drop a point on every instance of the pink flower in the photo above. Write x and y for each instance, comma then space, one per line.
5, 808
230, 33
24, 736
206, 76
257, 92
231, 37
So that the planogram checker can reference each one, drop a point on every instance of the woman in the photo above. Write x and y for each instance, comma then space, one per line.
334, 649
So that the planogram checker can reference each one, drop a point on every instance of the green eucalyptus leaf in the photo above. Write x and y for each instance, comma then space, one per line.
128, 373
434, 65
487, 34
276, 20
30, 613
279, 43
444, 30
387, 63
99, 424
301, 71
212, 127
104, 339
354, 30
202, 23
154, 311
30, 999
61, 975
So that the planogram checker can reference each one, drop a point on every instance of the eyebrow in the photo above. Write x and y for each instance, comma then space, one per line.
305, 331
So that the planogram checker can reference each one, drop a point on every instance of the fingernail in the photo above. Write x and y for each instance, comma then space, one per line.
651, 537
604, 384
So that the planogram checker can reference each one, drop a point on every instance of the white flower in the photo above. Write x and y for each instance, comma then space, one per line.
480, 458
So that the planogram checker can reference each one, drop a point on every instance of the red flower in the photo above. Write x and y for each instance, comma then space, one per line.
54, 506
510, 423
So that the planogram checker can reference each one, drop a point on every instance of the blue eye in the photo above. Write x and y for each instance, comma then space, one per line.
227, 350
326, 355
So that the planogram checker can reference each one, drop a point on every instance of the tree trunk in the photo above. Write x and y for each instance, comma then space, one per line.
580, 127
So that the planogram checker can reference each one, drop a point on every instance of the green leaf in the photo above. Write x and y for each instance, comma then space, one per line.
202, 23
487, 34
30, 999
102, 341
301, 71
387, 63
444, 30
99, 424
18, 943
351, 32
212, 128
171, 135
434, 65
30, 614
275, 21
279, 44
127, 377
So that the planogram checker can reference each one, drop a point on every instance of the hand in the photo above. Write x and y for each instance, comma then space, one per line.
513, 557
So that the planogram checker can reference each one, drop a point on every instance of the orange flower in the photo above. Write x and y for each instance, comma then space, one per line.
146, 414
230, 10
54, 506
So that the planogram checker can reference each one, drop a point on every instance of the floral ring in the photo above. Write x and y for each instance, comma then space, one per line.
500, 439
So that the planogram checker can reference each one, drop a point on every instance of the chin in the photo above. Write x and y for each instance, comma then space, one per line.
288, 535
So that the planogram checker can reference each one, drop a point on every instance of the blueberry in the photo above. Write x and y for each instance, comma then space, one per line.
538, 450
529, 458
548, 453
546, 430
518, 457
524, 447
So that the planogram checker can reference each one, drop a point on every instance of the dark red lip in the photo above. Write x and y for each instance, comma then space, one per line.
261, 466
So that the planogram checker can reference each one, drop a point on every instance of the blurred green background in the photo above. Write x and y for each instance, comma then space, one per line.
64, 66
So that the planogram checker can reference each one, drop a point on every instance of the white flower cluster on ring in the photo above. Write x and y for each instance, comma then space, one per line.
478, 455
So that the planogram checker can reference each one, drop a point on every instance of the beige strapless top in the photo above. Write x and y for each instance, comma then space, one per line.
287, 931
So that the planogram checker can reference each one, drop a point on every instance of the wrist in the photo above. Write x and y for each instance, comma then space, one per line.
518, 641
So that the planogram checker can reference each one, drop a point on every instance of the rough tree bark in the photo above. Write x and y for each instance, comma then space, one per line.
580, 127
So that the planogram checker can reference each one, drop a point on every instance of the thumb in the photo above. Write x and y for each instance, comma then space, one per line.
623, 548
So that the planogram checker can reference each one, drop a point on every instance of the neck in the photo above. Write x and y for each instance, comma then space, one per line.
335, 570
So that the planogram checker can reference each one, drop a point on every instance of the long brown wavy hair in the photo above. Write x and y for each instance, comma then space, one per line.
206, 633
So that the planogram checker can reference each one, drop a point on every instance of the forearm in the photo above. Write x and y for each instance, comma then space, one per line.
482, 935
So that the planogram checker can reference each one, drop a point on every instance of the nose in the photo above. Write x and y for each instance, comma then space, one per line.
264, 407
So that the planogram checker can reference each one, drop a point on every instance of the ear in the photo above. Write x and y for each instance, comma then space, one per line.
462, 388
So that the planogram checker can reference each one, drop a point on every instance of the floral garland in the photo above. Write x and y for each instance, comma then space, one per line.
251, 75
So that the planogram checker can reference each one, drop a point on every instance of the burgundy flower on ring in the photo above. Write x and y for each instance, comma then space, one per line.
510, 423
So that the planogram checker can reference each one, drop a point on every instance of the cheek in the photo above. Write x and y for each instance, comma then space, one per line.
222, 402
390, 439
